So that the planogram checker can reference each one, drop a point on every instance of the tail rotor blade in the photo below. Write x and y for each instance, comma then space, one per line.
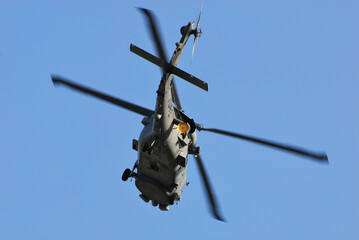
210, 195
199, 16
194, 47
320, 157
197, 33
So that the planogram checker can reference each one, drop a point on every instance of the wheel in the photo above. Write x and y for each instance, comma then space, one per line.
126, 174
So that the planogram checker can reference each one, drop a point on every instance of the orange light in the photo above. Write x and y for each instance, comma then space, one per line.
182, 127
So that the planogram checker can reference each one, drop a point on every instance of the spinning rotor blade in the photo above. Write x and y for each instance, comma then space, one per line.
194, 47
160, 50
210, 195
129, 106
199, 16
155, 34
321, 157
197, 32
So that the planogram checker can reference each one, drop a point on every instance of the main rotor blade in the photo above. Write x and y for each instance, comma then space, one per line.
129, 106
155, 34
321, 157
210, 195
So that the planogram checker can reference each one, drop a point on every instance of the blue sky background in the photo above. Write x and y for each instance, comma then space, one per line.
282, 70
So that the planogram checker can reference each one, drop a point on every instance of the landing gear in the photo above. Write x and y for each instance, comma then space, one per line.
126, 174
129, 173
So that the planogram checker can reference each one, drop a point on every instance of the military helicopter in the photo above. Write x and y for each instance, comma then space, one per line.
169, 135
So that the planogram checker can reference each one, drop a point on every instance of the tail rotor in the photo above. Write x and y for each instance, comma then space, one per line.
197, 32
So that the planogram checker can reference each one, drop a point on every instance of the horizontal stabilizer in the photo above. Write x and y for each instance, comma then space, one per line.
169, 67
189, 78
148, 56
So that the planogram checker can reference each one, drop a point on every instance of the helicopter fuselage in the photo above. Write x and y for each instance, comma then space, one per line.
162, 148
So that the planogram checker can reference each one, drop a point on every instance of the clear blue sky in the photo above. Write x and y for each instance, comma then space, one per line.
282, 70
